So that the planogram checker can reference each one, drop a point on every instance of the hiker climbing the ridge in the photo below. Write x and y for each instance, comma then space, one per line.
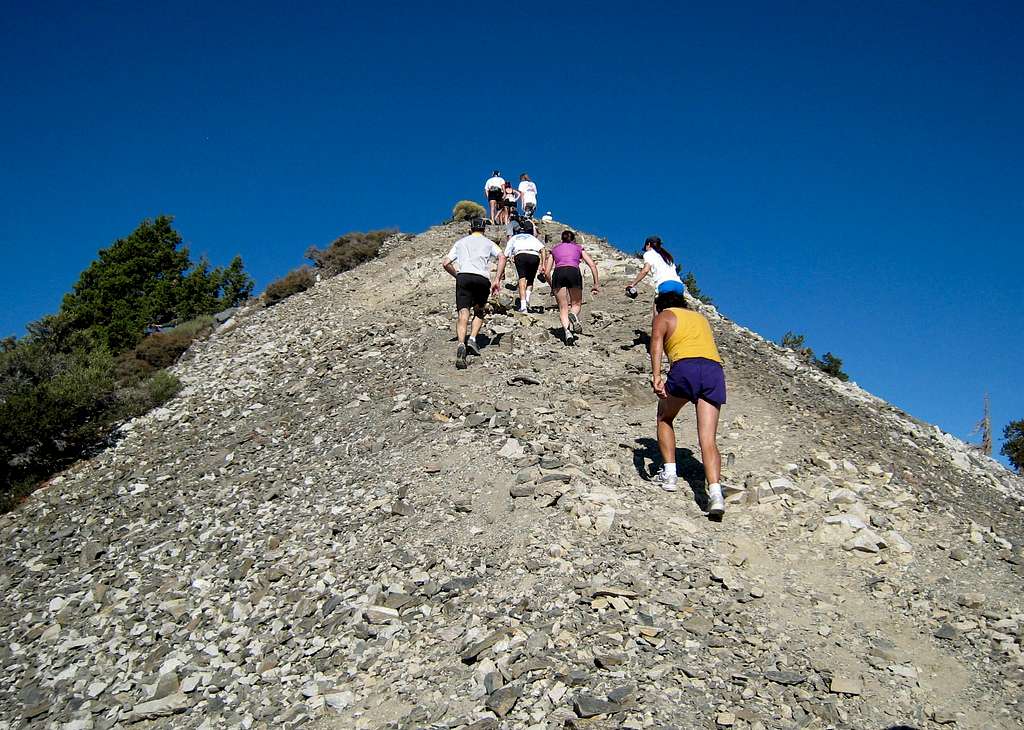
528, 195
695, 376
469, 262
657, 260
566, 281
509, 203
493, 191
528, 254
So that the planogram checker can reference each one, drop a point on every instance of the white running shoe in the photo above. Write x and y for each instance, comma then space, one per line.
471, 346
668, 483
716, 503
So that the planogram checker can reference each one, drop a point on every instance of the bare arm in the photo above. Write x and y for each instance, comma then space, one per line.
448, 266
658, 332
499, 275
640, 277
593, 272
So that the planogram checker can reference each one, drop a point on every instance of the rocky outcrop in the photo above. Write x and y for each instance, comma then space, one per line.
332, 527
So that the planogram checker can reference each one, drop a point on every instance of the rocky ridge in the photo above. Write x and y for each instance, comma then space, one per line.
331, 527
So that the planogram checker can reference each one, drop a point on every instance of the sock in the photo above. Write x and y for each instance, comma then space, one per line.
669, 470
529, 291
715, 489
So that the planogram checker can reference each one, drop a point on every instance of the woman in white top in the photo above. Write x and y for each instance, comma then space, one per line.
658, 260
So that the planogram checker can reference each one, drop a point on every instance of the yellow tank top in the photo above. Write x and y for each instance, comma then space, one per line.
692, 337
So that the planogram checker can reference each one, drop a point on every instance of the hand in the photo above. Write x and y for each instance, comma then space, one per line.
658, 387
495, 288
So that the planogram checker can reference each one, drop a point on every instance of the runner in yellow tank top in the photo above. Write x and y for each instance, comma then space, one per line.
696, 376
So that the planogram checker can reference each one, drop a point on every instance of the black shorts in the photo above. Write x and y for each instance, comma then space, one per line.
567, 276
528, 208
510, 204
471, 290
495, 194
527, 265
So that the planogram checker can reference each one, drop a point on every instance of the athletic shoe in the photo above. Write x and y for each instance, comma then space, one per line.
575, 323
668, 483
716, 503
471, 346
524, 310
569, 339
460, 358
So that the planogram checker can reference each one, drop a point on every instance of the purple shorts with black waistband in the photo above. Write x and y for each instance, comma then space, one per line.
696, 378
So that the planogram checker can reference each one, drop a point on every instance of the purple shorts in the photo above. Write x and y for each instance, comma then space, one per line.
696, 378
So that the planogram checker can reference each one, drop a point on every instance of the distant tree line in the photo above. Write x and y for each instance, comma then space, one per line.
76, 374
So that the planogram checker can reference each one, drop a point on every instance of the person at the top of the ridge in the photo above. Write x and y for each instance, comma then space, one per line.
695, 376
469, 261
528, 195
493, 191
566, 281
509, 198
657, 260
547, 217
528, 253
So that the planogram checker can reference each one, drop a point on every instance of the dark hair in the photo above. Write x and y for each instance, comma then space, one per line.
568, 236
669, 300
477, 224
496, 173
526, 226
655, 243
523, 176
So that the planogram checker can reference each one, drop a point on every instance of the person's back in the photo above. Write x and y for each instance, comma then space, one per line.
494, 182
473, 254
692, 337
661, 269
523, 243
528, 191
567, 253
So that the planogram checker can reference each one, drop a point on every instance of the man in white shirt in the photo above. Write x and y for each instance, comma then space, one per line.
526, 250
469, 261
493, 192
527, 195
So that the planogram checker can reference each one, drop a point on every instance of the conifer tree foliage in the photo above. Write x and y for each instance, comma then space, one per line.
148, 277
1013, 446
74, 376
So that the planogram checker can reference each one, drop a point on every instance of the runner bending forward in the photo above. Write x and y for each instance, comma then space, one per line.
696, 376
566, 282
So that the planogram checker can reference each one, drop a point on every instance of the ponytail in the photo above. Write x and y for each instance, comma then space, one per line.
655, 243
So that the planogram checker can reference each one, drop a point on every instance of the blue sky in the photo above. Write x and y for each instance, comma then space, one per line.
849, 171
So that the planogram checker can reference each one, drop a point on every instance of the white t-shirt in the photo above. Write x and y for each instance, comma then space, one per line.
474, 254
523, 243
494, 182
529, 192
662, 271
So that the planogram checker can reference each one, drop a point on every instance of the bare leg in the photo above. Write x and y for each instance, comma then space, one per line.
575, 300
562, 297
478, 321
668, 408
707, 427
460, 327
522, 293
492, 204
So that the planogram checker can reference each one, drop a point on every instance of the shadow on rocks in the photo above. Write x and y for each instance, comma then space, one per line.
640, 337
688, 467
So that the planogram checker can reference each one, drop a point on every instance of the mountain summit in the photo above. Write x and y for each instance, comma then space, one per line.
332, 527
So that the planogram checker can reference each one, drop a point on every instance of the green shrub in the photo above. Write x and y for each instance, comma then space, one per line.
162, 349
348, 251
1013, 445
831, 365
467, 210
291, 283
